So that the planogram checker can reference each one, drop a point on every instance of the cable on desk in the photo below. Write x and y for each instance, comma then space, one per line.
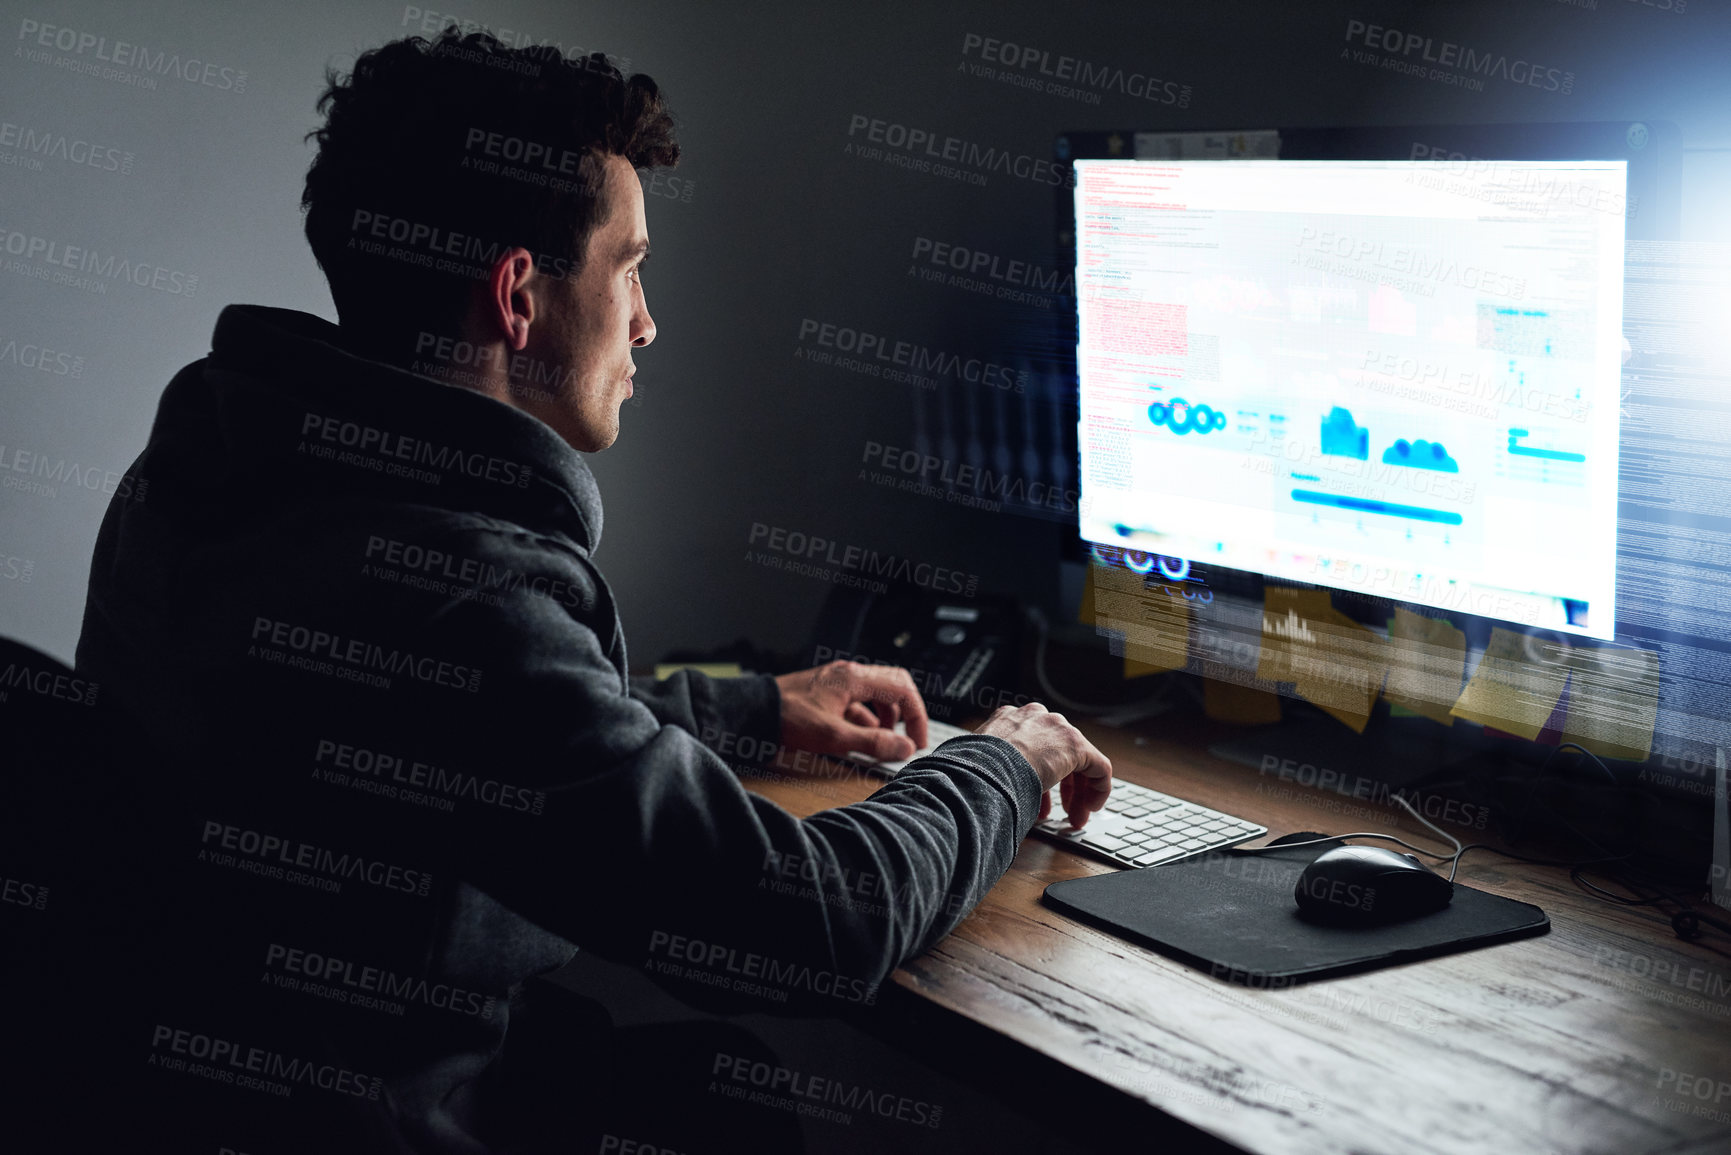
1538, 779
1453, 858
1597, 761
1455, 862
1338, 838
1685, 921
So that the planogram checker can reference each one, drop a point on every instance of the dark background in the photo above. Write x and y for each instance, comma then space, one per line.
782, 224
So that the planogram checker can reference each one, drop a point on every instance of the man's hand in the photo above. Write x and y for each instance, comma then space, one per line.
846, 706
1059, 755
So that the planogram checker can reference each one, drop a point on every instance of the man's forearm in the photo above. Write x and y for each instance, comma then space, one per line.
738, 718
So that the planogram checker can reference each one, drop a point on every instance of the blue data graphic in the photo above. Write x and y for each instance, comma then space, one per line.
1420, 454
1181, 417
1516, 449
1529, 332
1365, 505
1343, 437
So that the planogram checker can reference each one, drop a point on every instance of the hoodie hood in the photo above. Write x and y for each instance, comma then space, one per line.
287, 404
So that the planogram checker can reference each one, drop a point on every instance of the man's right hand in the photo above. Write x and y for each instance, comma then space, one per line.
1059, 754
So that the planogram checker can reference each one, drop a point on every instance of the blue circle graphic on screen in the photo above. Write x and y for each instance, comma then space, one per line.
1181, 417
1138, 561
1178, 570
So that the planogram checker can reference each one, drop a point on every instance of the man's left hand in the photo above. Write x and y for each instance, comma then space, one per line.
842, 707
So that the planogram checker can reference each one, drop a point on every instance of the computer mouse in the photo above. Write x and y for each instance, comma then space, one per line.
1369, 884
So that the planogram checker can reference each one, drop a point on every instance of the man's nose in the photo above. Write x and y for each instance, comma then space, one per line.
642, 327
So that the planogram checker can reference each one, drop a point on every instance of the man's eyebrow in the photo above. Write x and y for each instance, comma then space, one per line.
638, 251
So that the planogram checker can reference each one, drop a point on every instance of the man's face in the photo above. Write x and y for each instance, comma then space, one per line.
587, 324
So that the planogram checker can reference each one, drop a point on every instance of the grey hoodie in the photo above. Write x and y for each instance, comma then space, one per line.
357, 612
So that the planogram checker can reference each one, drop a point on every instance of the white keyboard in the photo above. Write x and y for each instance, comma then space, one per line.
1137, 827
1142, 827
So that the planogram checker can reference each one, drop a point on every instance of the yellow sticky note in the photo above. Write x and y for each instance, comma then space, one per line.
1155, 625
1287, 615
1085, 610
1331, 660
1135, 669
1427, 660
1613, 701
1343, 673
713, 669
1517, 684
1245, 705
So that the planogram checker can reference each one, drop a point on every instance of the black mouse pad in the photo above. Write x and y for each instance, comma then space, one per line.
1233, 915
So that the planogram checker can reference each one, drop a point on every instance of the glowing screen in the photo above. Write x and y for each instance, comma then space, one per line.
1397, 377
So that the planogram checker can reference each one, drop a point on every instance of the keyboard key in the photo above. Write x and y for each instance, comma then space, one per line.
1142, 827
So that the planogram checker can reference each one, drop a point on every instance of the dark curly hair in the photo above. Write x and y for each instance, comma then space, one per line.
436, 156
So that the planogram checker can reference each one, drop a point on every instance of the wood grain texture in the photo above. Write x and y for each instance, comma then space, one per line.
1594, 1038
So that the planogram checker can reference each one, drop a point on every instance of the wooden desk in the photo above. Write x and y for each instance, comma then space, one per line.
1593, 1038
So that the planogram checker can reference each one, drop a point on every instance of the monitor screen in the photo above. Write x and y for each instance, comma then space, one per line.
1392, 377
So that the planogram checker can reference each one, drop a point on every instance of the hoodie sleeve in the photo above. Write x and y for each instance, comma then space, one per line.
649, 852
717, 711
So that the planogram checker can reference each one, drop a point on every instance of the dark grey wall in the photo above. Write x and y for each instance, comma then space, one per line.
782, 224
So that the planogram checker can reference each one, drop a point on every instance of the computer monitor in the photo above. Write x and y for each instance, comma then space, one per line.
1396, 377
1719, 869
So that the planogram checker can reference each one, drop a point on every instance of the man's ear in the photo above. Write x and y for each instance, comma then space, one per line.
510, 307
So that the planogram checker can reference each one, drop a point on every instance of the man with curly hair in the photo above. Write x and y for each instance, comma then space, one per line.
360, 617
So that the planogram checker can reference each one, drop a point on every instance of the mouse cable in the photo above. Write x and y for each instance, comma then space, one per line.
1455, 862
1596, 760
1336, 838
1539, 778
1453, 858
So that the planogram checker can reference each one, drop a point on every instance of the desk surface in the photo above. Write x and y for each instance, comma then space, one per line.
1608, 1034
